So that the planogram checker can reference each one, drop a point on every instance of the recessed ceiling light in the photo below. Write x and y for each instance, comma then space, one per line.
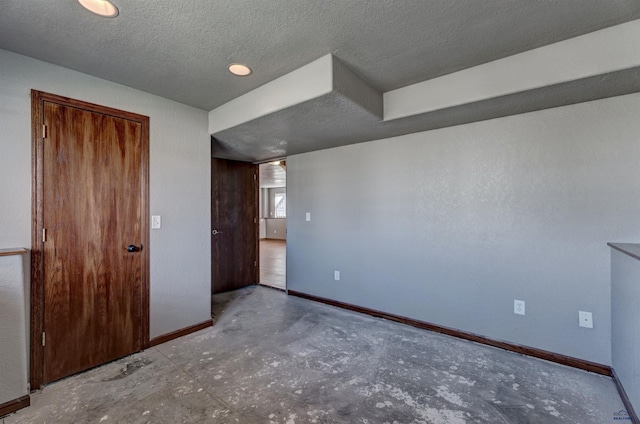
275, 162
239, 70
100, 7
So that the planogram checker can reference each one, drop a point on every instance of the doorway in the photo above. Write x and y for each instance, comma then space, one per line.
90, 237
273, 224
234, 225
248, 224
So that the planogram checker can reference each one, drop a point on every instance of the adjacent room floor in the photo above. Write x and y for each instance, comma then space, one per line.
273, 358
273, 263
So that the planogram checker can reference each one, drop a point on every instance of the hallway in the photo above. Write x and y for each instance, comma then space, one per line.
273, 263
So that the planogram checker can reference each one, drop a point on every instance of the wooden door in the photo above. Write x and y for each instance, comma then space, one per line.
94, 246
234, 224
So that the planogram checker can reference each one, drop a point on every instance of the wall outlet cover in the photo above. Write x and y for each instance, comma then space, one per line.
585, 319
336, 275
518, 307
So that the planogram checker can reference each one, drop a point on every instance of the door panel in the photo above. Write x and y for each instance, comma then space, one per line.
92, 210
234, 212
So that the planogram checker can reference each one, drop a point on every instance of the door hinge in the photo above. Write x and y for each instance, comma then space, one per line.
255, 220
255, 263
44, 131
44, 339
44, 235
255, 178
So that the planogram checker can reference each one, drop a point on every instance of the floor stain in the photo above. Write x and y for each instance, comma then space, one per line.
129, 369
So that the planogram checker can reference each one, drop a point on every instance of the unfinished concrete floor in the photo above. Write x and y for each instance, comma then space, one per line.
273, 358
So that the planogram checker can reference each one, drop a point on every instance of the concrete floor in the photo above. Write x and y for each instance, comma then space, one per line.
272, 358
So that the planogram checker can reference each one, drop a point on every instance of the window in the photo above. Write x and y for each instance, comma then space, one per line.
281, 205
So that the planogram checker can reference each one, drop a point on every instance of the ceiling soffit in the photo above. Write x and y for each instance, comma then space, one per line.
349, 110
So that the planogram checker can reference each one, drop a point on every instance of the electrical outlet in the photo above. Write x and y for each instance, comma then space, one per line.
585, 319
336, 275
308, 216
518, 307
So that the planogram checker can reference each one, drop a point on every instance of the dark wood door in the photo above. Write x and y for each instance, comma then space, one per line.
93, 208
234, 224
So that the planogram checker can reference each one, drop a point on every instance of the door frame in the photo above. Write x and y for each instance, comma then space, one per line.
283, 161
37, 219
256, 223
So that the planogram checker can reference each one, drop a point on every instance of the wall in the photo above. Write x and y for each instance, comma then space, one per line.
272, 199
180, 181
625, 316
13, 327
275, 228
450, 226
263, 202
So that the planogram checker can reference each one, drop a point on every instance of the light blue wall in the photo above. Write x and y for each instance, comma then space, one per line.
450, 226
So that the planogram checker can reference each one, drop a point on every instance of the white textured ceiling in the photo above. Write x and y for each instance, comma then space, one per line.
272, 176
180, 49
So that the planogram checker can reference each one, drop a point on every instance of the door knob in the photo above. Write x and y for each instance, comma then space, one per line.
133, 248
216, 232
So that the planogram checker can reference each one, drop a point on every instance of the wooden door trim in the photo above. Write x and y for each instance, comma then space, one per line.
256, 221
37, 218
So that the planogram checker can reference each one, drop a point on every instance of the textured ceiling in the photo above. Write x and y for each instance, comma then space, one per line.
335, 120
180, 50
272, 176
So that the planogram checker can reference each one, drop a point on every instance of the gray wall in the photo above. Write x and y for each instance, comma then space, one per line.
272, 199
450, 226
263, 228
262, 203
625, 323
276, 228
263, 200
13, 327
180, 181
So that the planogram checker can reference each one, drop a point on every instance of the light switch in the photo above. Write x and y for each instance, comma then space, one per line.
156, 222
308, 218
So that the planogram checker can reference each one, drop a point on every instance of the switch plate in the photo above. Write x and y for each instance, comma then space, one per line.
156, 222
336, 275
585, 319
518, 307
308, 216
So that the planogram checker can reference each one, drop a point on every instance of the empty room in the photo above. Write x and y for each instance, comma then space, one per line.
319, 211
